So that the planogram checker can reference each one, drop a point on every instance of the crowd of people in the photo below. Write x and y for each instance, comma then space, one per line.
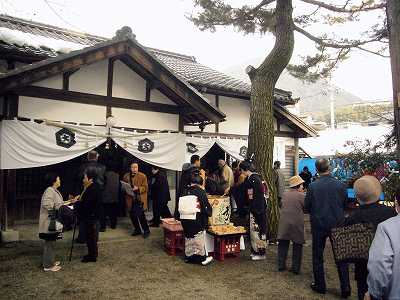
324, 199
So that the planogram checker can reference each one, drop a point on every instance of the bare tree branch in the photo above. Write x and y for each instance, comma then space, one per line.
373, 52
335, 44
331, 7
262, 3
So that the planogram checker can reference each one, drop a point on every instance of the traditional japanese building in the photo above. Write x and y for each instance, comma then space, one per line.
56, 76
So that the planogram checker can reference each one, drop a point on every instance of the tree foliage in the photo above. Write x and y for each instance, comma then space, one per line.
329, 48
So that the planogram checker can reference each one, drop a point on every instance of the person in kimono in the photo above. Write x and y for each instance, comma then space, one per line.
194, 210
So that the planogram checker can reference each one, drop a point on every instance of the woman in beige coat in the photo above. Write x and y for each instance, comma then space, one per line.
51, 200
291, 225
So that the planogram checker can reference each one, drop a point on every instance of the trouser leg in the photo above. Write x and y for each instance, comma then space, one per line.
297, 257
48, 254
92, 238
156, 211
344, 278
165, 212
261, 221
113, 211
283, 248
82, 232
361, 274
103, 216
318, 246
143, 222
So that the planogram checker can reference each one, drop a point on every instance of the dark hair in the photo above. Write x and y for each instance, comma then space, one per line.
277, 163
92, 155
322, 165
305, 168
194, 158
49, 179
196, 179
245, 166
91, 172
235, 164
296, 187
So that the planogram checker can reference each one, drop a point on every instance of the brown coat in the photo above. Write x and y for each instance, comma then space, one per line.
291, 223
139, 180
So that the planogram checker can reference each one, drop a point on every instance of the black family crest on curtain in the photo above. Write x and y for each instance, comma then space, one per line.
243, 151
191, 148
65, 138
146, 145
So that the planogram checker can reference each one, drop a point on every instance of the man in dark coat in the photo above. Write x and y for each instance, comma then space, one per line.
367, 190
306, 176
88, 210
159, 192
325, 201
100, 170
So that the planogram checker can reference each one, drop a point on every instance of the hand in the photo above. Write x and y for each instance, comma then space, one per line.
135, 188
367, 296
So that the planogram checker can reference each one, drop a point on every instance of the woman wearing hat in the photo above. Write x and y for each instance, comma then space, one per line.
291, 225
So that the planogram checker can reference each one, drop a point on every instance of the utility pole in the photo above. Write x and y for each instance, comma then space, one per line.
393, 23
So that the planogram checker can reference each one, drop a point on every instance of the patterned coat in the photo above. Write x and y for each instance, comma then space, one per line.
51, 199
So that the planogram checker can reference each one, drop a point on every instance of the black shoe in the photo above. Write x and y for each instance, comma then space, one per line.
102, 229
146, 235
87, 259
316, 289
295, 272
79, 241
345, 293
281, 269
135, 233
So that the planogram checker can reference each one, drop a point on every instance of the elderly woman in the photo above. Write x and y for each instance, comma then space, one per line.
194, 210
52, 200
291, 225
367, 190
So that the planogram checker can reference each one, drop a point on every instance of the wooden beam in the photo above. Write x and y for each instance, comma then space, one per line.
296, 156
10, 64
85, 98
217, 105
181, 126
148, 91
66, 77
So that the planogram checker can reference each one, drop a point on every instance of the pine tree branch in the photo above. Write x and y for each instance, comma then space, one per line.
373, 52
262, 3
331, 7
335, 44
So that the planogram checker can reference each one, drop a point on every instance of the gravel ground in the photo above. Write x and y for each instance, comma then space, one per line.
134, 268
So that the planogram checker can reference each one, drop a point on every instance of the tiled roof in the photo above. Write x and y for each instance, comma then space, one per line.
185, 66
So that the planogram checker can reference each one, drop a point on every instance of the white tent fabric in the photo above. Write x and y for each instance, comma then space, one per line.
26, 144
198, 145
237, 148
165, 150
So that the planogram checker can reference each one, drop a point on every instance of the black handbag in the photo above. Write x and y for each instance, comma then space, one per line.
351, 243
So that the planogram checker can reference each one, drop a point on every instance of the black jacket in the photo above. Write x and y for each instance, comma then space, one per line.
100, 175
325, 201
159, 189
255, 194
88, 206
373, 213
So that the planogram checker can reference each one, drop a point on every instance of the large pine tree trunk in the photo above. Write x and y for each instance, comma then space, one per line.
263, 80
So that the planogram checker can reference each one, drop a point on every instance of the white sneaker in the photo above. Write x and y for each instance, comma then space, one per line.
207, 261
258, 257
52, 269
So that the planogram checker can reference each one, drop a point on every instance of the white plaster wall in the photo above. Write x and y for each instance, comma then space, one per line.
237, 113
54, 82
145, 119
158, 97
37, 108
90, 79
127, 83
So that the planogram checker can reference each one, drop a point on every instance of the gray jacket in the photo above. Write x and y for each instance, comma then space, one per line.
384, 261
51, 199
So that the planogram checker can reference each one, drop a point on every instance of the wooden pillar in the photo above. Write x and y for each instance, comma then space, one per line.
110, 79
181, 126
217, 105
8, 178
148, 91
296, 156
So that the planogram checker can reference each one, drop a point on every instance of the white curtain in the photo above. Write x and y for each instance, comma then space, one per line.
165, 150
198, 145
237, 148
25, 144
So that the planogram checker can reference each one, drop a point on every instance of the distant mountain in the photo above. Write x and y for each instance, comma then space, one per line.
314, 97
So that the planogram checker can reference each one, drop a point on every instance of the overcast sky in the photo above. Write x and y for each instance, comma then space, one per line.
163, 25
